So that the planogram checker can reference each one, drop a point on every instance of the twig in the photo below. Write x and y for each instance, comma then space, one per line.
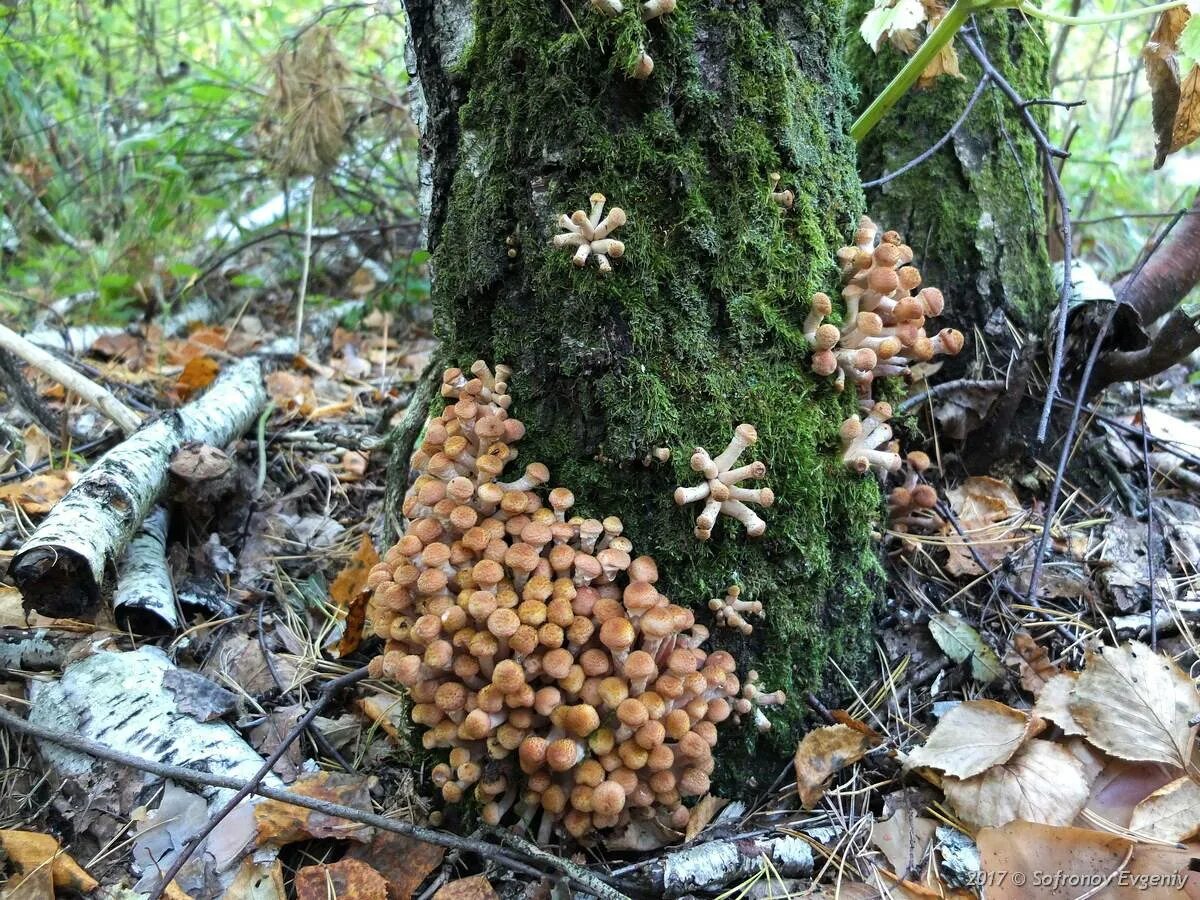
100, 397
948, 387
327, 693
305, 263
337, 810
1073, 425
578, 874
1049, 153
21, 391
1150, 573
47, 221
940, 143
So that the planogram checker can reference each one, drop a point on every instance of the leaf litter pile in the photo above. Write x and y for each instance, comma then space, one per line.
1024, 737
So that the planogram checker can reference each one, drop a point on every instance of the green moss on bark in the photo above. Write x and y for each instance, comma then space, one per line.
699, 327
973, 212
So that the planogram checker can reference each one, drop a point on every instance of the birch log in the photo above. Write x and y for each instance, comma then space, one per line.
62, 568
144, 601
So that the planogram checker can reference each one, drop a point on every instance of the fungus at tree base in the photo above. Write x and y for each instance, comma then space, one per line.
720, 489
535, 646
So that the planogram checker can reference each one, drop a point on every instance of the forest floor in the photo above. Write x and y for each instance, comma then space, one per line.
1022, 729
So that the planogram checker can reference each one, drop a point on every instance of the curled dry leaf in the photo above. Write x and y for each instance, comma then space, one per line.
37, 495
389, 712
1032, 661
1134, 703
30, 851
1043, 782
348, 593
1174, 88
1072, 862
961, 642
983, 500
971, 738
1053, 703
1172, 813
347, 879
702, 814
821, 753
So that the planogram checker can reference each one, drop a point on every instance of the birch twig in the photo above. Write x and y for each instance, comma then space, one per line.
100, 397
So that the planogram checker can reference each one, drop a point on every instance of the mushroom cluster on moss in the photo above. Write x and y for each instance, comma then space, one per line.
883, 332
589, 234
912, 504
728, 610
719, 490
535, 644
867, 444
643, 65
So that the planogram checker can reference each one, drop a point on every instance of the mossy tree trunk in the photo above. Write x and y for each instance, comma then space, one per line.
974, 212
527, 108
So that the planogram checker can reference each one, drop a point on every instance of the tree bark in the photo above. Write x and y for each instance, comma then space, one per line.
1169, 275
527, 108
974, 212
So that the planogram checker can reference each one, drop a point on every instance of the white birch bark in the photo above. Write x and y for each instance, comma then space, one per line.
62, 568
145, 597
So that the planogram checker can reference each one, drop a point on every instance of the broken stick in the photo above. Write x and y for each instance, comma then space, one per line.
62, 568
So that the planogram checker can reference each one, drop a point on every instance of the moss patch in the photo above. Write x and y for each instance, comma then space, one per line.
973, 212
699, 328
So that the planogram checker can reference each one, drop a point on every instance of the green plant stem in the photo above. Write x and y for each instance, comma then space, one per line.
1030, 10
956, 16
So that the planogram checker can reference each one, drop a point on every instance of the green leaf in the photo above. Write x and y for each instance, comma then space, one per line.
1189, 39
960, 641
208, 92
245, 279
182, 270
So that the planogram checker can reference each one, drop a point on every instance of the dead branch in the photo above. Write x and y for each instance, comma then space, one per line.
1178, 337
1175, 271
61, 568
100, 397
145, 598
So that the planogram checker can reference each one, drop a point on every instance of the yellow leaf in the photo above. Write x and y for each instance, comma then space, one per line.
1172, 813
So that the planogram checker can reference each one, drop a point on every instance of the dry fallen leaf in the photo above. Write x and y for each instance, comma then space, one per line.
971, 738
702, 814
291, 392
1023, 860
1120, 786
389, 712
12, 608
1134, 703
37, 494
904, 838
823, 752
1032, 661
1172, 813
37, 445
1053, 703
403, 861
477, 887
256, 881
348, 595
1043, 782
30, 851
198, 374
347, 879
984, 500
281, 823
960, 642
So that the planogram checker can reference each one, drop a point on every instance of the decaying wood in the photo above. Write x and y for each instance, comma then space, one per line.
62, 568
144, 600
138, 703
100, 397
710, 866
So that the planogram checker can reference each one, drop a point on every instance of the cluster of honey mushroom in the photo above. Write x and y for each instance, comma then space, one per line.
883, 335
535, 645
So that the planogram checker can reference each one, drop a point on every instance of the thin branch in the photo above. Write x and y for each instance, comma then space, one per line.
45, 219
948, 387
1150, 573
594, 883
941, 142
1175, 341
100, 397
1049, 153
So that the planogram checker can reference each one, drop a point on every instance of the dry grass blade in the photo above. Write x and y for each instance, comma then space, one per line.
1136, 704
304, 121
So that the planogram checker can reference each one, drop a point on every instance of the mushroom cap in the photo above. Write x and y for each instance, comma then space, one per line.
824, 362
608, 798
821, 304
826, 337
